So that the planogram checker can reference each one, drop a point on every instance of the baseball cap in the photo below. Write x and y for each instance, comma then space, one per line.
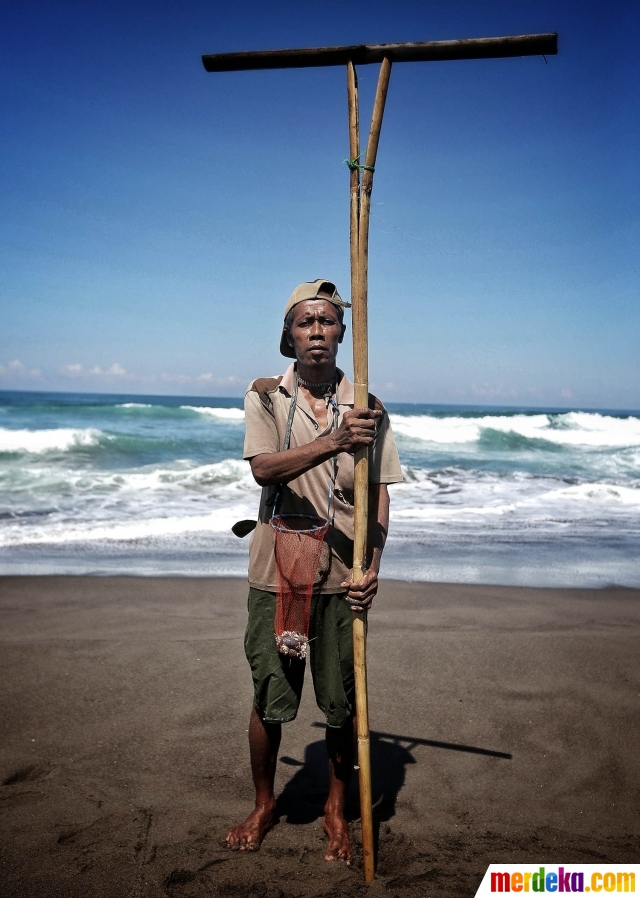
310, 290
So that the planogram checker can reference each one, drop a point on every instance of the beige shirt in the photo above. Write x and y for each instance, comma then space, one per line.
267, 405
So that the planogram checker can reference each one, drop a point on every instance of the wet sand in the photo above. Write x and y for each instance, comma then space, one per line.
504, 723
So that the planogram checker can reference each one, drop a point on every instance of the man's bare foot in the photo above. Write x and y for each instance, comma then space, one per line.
248, 836
337, 829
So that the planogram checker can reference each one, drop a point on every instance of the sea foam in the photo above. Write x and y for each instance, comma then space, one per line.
134, 405
218, 521
59, 439
227, 414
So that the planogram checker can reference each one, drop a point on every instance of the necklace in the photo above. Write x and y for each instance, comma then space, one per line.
326, 387
317, 385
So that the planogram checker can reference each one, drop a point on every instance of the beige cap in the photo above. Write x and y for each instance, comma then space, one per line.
310, 290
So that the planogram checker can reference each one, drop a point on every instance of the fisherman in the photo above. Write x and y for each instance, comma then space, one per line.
313, 476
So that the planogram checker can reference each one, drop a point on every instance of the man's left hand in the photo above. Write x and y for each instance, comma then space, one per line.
360, 595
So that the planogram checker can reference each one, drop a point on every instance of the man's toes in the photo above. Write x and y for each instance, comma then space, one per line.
249, 844
237, 841
339, 852
338, 856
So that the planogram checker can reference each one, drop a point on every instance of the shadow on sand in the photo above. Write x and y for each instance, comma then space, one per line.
302, 800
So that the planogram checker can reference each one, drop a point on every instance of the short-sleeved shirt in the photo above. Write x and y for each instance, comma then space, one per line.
267, 404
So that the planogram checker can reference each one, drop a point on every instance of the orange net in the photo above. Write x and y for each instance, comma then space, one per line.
298, 544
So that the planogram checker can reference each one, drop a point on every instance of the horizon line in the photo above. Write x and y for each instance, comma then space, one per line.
468, 405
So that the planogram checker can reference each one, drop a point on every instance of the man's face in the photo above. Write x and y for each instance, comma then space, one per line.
315, 332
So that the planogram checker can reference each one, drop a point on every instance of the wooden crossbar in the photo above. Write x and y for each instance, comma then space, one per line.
363, 54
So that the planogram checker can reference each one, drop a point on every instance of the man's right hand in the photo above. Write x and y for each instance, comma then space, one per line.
357, 429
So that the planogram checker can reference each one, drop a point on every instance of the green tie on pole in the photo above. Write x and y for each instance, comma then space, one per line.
361, 184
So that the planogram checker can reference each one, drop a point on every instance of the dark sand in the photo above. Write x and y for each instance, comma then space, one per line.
124, 760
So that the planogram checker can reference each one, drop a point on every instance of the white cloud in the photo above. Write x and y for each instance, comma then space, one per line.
71, 370
116, 373
175, 378
230, 381
208, 378
17, 370
79, 371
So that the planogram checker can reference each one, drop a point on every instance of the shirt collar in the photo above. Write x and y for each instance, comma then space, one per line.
345, 386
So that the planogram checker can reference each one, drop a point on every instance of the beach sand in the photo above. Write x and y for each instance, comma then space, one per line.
514, 717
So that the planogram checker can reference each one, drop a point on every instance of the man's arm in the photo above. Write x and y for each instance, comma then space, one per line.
357, 429
360, 595
378, 524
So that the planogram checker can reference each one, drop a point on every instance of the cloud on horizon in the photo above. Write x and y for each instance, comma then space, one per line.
79, 371
19, 371
117, 373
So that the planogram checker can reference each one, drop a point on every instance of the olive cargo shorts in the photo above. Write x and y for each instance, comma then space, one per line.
278, 679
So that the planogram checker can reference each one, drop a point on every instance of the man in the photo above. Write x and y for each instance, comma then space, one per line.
313, 473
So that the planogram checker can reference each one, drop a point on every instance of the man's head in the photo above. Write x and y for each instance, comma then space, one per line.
317, 296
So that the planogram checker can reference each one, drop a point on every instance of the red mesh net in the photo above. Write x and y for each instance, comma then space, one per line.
298, 544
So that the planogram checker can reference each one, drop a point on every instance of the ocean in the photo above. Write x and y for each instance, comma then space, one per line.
105, 484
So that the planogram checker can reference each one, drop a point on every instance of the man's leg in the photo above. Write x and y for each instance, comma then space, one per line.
333, 681
340, 747
277, 684
264, 742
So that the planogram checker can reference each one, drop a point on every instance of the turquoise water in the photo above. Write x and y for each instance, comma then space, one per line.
150, 485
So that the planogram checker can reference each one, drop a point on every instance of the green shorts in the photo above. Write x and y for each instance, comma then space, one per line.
278, 679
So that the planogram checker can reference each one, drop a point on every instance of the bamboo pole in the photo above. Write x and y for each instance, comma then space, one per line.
359, 232
354, 184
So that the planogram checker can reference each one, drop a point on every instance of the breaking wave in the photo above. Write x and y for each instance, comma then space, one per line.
60, 439
226, 414
570, 429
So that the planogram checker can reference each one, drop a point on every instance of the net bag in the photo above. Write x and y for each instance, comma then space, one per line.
298, 543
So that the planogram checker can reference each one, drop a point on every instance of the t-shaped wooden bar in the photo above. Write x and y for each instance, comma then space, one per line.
361, 183
363, 54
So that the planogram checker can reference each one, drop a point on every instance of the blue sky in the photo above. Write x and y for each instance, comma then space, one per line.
154, 218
